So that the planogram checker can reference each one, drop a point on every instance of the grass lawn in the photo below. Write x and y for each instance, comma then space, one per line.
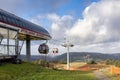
29, 71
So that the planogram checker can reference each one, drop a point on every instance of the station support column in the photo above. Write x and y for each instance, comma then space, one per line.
28, 49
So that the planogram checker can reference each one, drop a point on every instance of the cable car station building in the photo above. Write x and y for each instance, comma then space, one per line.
14, 29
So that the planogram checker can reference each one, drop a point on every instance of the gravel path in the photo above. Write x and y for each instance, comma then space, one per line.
101, 76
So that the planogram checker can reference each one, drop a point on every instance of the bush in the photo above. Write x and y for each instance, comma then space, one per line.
107, 62
63, 62
112, 62
117, 63
46, 64
42, 63
92, 62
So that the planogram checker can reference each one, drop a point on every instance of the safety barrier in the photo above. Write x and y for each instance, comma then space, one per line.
115, 70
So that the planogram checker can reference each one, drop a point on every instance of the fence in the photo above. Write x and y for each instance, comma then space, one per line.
115, 70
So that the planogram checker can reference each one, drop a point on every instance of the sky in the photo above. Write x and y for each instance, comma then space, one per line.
91, 25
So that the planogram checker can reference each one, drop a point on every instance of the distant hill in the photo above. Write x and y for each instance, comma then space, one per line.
36, 57
78, 56
82, 56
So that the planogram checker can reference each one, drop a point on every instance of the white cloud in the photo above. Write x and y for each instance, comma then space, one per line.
59, 25
99, 24
98, 31
102, 47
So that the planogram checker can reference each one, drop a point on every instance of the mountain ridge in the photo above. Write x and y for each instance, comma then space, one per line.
80, 56
77, 56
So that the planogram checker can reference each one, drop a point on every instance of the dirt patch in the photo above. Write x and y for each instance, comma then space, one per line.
81, 66
89, 67
101, 76
73, 65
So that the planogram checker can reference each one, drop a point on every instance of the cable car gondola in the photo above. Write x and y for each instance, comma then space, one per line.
43, 48
55, 50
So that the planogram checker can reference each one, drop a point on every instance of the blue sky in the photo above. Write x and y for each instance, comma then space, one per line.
91, 25
75, 7
30, 8
61, 7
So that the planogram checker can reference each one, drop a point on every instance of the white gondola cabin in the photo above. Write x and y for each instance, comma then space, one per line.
55, 50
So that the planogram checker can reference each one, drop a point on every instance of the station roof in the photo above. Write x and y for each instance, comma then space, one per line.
25, 27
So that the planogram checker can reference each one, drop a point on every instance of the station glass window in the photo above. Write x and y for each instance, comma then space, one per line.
9, 42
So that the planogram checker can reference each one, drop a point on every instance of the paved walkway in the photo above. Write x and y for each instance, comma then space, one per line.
101, 76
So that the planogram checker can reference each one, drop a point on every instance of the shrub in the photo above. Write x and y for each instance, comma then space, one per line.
92, 62
117, 63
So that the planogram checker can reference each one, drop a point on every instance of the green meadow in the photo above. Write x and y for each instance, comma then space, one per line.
29, 71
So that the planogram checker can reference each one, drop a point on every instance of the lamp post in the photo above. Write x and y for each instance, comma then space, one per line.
68, 45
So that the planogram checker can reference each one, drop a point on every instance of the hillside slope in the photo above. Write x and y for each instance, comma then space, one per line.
28, 71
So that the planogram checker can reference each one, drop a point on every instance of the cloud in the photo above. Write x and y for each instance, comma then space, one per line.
100, 23
98, 31
60, 24
102, 47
